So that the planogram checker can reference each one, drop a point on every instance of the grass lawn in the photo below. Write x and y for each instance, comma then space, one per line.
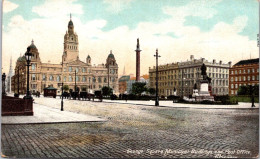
244, 98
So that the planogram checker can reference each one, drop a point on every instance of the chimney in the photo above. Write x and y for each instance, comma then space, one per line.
220, 62
214, 61
203, 59
191, 57
229, 63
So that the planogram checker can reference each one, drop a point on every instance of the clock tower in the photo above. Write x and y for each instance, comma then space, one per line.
71, 50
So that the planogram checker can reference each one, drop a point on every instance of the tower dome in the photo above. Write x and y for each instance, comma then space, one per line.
32, 46
70, 23
111, 55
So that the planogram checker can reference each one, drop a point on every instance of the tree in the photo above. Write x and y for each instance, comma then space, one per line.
66, 88
248, 90
243, 90
138, 88
107, 91
151, 91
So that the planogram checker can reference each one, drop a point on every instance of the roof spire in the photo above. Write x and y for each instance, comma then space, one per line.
110, 51
124, 71
32, 41
70, 16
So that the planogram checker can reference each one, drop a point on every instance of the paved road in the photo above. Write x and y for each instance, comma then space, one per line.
138, 131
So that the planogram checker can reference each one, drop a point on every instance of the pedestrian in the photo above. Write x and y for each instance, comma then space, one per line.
253, 101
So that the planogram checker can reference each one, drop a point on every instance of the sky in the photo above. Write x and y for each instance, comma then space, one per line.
213, 29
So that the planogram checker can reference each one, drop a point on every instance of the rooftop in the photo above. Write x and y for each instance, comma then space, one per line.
247, 62
124, 78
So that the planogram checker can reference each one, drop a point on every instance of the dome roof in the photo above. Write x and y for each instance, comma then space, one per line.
111, 55
21, 59
32, 46
70, 23
88, 57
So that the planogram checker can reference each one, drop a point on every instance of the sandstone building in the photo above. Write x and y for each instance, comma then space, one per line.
71, 70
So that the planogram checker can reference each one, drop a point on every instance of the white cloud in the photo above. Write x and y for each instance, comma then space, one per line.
8, 6
116, 6
222, 42
57, 8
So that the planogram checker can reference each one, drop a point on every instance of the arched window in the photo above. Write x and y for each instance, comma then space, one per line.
99, 79
77, 78
58, 78
94, 79
105, 79
33, 66
51, 78
83, 78
43, 77
70, 69
70, 78
64, 79
77, 69
83, 69
33, 77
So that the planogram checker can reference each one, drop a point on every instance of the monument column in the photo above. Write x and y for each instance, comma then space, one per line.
138, 61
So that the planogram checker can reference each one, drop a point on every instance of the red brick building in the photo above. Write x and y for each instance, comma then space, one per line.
245, 72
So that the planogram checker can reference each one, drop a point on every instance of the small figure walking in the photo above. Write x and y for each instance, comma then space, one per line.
253, 101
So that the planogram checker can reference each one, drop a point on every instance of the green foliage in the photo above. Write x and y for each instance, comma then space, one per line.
107, 91
248, 90
66, 88
152, 91
138, 88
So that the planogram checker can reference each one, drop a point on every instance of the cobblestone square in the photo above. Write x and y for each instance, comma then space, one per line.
136, 131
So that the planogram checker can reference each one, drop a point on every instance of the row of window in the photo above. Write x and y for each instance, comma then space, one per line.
244, 78
72, 47
236, 86
188, 90
249, 70
70, 78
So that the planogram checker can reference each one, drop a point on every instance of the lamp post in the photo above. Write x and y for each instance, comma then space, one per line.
157, 97
18, 81
75, 85
3, 84
183, 79
28, 57
108, 75
62, 88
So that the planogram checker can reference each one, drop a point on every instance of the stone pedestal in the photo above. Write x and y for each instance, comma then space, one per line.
204, 89
204, 93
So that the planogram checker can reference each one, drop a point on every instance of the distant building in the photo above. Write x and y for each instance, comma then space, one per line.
143, 79
123, 83
8, 81
245, 72
183, 75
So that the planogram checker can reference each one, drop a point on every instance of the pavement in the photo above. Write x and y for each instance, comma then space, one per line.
44, 115
136, 131
240, 105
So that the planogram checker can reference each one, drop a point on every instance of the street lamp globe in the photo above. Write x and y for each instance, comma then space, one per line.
3, 77
28, 55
